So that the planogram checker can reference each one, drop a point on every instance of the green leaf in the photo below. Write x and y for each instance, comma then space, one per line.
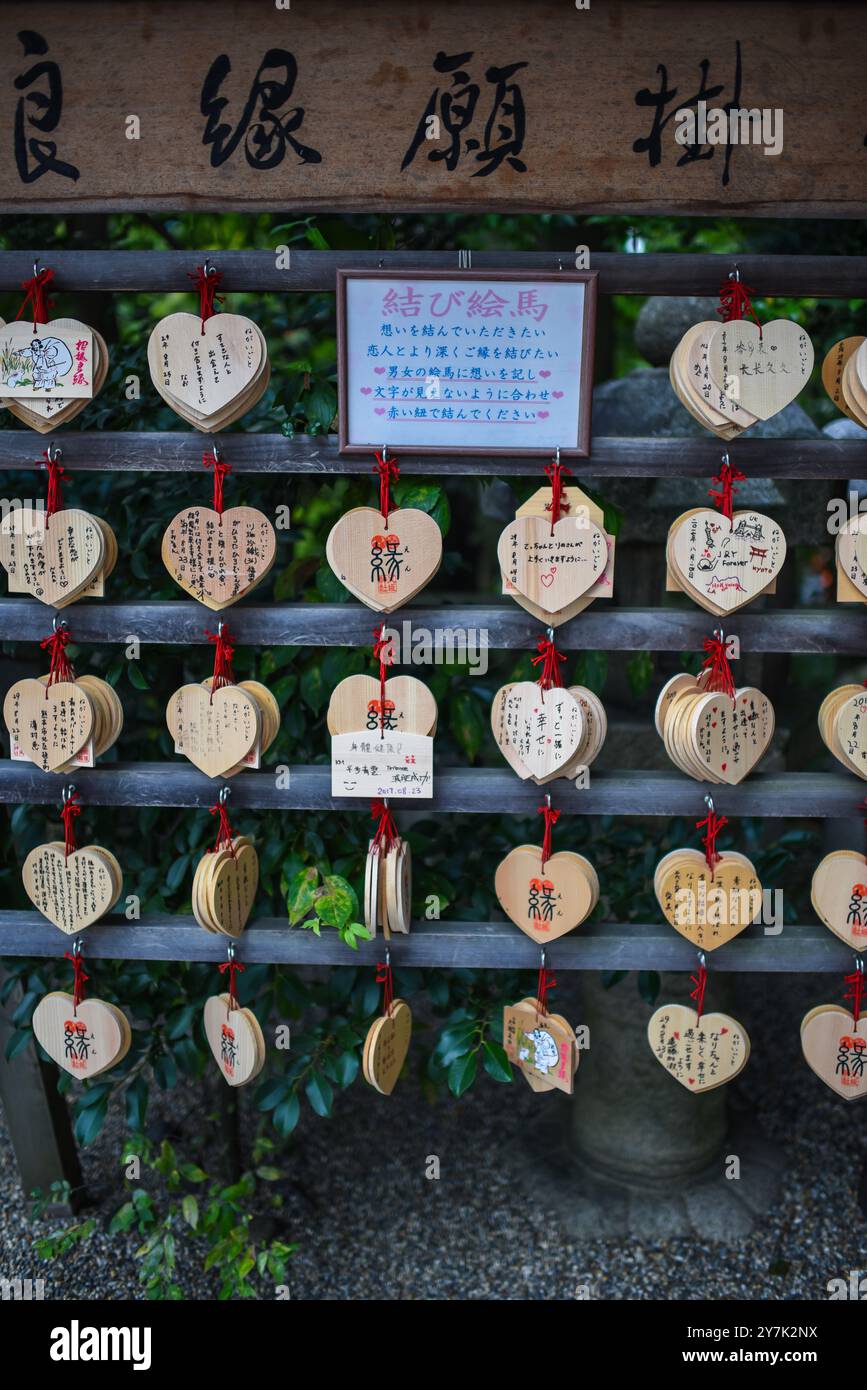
123, 1218
462, 1073
329, 586
495, 1061
337, 902
89, 1122
272, 1092
648, 986
17, 1042
591, 669
286, 1116
137, 1104
190, 1210
136, 676
320, 1093
299, 899
639, 672
467, 723
346, 1068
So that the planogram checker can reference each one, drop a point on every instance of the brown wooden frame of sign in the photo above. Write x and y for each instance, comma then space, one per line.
590, 280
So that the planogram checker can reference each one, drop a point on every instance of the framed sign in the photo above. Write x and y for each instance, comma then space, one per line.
468, 362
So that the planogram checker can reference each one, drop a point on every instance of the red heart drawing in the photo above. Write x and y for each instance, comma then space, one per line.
366, 390
692, 1081
556, 395
548, 577
723, 766
379, 370
544, 373
543, 414
379, 410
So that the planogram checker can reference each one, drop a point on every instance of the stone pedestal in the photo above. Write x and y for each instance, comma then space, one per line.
632, 1152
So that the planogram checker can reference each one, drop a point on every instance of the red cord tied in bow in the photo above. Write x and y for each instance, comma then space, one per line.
51, 459
384, 654
551, 819
384, 978
724, 496
735, 301
549, 659
855, 992
213, 460
225, 834
554, 472
386, 834
547, 981
79, 977
68, 814
387, 471
712, 825
60, 668
717, 662
700, 982
224, 650
207, 281
234, 968
35, 296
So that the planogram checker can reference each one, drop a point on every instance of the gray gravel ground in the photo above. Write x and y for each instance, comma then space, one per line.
371, 1225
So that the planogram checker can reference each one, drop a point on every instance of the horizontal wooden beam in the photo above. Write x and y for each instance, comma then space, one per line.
459, 945
632, 793
611, 457
496, 945
827, 277
498, 627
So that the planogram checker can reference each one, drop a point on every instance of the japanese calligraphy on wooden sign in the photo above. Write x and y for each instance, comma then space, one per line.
465, 363
435, 105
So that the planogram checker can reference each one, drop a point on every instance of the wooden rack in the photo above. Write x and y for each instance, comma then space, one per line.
452, 944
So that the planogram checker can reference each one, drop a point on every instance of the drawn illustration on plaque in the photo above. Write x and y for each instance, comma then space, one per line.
381, 715
538, 1049
727, 556
851, 1055
77, 1043
228, 1050
858, 908
39, 365
540, 902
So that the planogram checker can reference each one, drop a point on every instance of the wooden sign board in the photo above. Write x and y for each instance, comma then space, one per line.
433, 105
497, 363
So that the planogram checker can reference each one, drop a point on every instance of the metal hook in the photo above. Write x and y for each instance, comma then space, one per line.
208, 269
225, 792
230, 950
702, 960
859, 964
736, 273
543, 958
708, 801
725, 459
550, 634
388, 957
76, 946
220, 626
35, 269
54, 452
557, 456
384, 452
217, 452
67, 793
55, 621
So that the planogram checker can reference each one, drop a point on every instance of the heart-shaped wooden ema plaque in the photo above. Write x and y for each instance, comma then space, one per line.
384, 563
763, 369
545, 903
46, 360
232, 889
215, 732
709, 909
699, 1053
49, 412
542, 730
354, 706
835, 1048
839, 896
49, 724
552, 566
51, 558
83, 1041
72, 893
540, 1045
204, 371
387, 1046
729, 737
232, 1039
219, 558
850, 728
727, 562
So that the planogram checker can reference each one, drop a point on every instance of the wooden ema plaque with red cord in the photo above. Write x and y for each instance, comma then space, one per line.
388, 1038
700, 1050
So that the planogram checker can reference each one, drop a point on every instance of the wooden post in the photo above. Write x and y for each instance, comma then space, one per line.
37, 1118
